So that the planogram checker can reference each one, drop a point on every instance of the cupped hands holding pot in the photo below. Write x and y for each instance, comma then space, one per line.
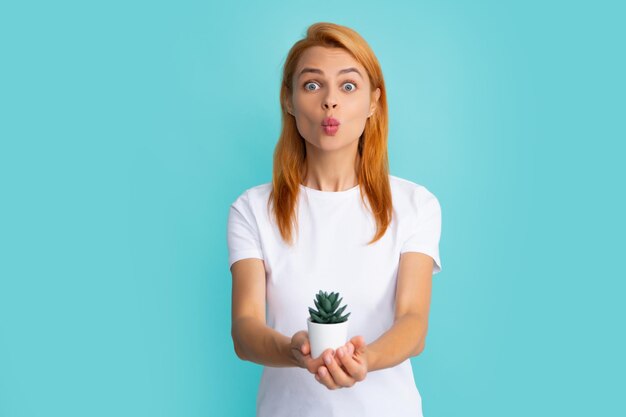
333, 369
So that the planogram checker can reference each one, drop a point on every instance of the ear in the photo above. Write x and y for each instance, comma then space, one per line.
289, 106
375, 97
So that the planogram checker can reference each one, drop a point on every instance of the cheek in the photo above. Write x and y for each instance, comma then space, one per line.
305, 112
304, 116
359, 106
366, 106
301, 101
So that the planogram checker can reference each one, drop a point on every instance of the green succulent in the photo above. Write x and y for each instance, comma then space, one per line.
327, 312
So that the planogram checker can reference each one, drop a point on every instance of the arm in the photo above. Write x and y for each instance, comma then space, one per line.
407, 336
253, 340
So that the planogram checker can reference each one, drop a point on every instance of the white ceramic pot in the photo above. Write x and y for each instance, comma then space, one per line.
326, 336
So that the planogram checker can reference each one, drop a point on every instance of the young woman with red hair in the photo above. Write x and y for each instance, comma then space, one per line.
333, 218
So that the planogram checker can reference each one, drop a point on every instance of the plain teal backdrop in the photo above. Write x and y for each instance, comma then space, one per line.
128, 128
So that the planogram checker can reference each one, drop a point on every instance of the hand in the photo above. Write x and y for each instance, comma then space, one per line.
347, 367
301, 351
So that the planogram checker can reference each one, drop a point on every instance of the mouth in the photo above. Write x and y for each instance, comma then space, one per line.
330, 130
329, 121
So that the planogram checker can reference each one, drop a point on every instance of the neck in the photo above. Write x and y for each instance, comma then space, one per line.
331, 171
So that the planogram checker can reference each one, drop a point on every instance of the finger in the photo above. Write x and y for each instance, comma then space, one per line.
358, 342
321, 357
324, 378
300, 358
348, 349
312, 365
296, 340
302, 341
305, 348
339, 376
355, 368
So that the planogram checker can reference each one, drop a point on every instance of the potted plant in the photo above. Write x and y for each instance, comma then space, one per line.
327, 327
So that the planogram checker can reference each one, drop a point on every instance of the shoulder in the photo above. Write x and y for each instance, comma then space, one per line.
253, 196
406, 192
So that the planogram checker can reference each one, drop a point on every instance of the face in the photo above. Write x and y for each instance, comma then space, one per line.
329, 83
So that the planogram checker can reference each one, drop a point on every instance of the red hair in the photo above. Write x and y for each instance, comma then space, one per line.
290, 152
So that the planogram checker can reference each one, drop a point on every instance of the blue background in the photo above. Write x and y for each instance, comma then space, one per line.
128, 128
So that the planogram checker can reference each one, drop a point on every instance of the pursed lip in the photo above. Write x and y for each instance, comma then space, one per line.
329, 121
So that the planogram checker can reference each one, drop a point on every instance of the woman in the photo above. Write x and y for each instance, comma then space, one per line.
333, 219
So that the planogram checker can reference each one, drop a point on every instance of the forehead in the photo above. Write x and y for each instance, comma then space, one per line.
329, 60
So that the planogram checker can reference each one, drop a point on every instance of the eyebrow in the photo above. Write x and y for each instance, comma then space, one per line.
319, 71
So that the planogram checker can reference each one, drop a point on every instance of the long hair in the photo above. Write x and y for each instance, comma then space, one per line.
290, 152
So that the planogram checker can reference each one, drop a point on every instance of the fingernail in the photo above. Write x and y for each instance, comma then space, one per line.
323, 372
340, 352
327, 359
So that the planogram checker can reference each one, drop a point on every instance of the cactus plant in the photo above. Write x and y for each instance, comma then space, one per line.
327, 312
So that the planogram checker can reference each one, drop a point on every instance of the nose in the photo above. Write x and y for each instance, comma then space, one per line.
330, 101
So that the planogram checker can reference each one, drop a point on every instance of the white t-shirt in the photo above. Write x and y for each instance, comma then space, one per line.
331, 254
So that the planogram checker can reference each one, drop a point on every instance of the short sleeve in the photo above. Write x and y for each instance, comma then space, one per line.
243, 234
426, 231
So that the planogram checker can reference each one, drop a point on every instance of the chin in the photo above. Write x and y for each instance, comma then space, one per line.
331, 143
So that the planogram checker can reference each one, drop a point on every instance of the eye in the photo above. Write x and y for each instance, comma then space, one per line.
309, 83
310, 86
352, 84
